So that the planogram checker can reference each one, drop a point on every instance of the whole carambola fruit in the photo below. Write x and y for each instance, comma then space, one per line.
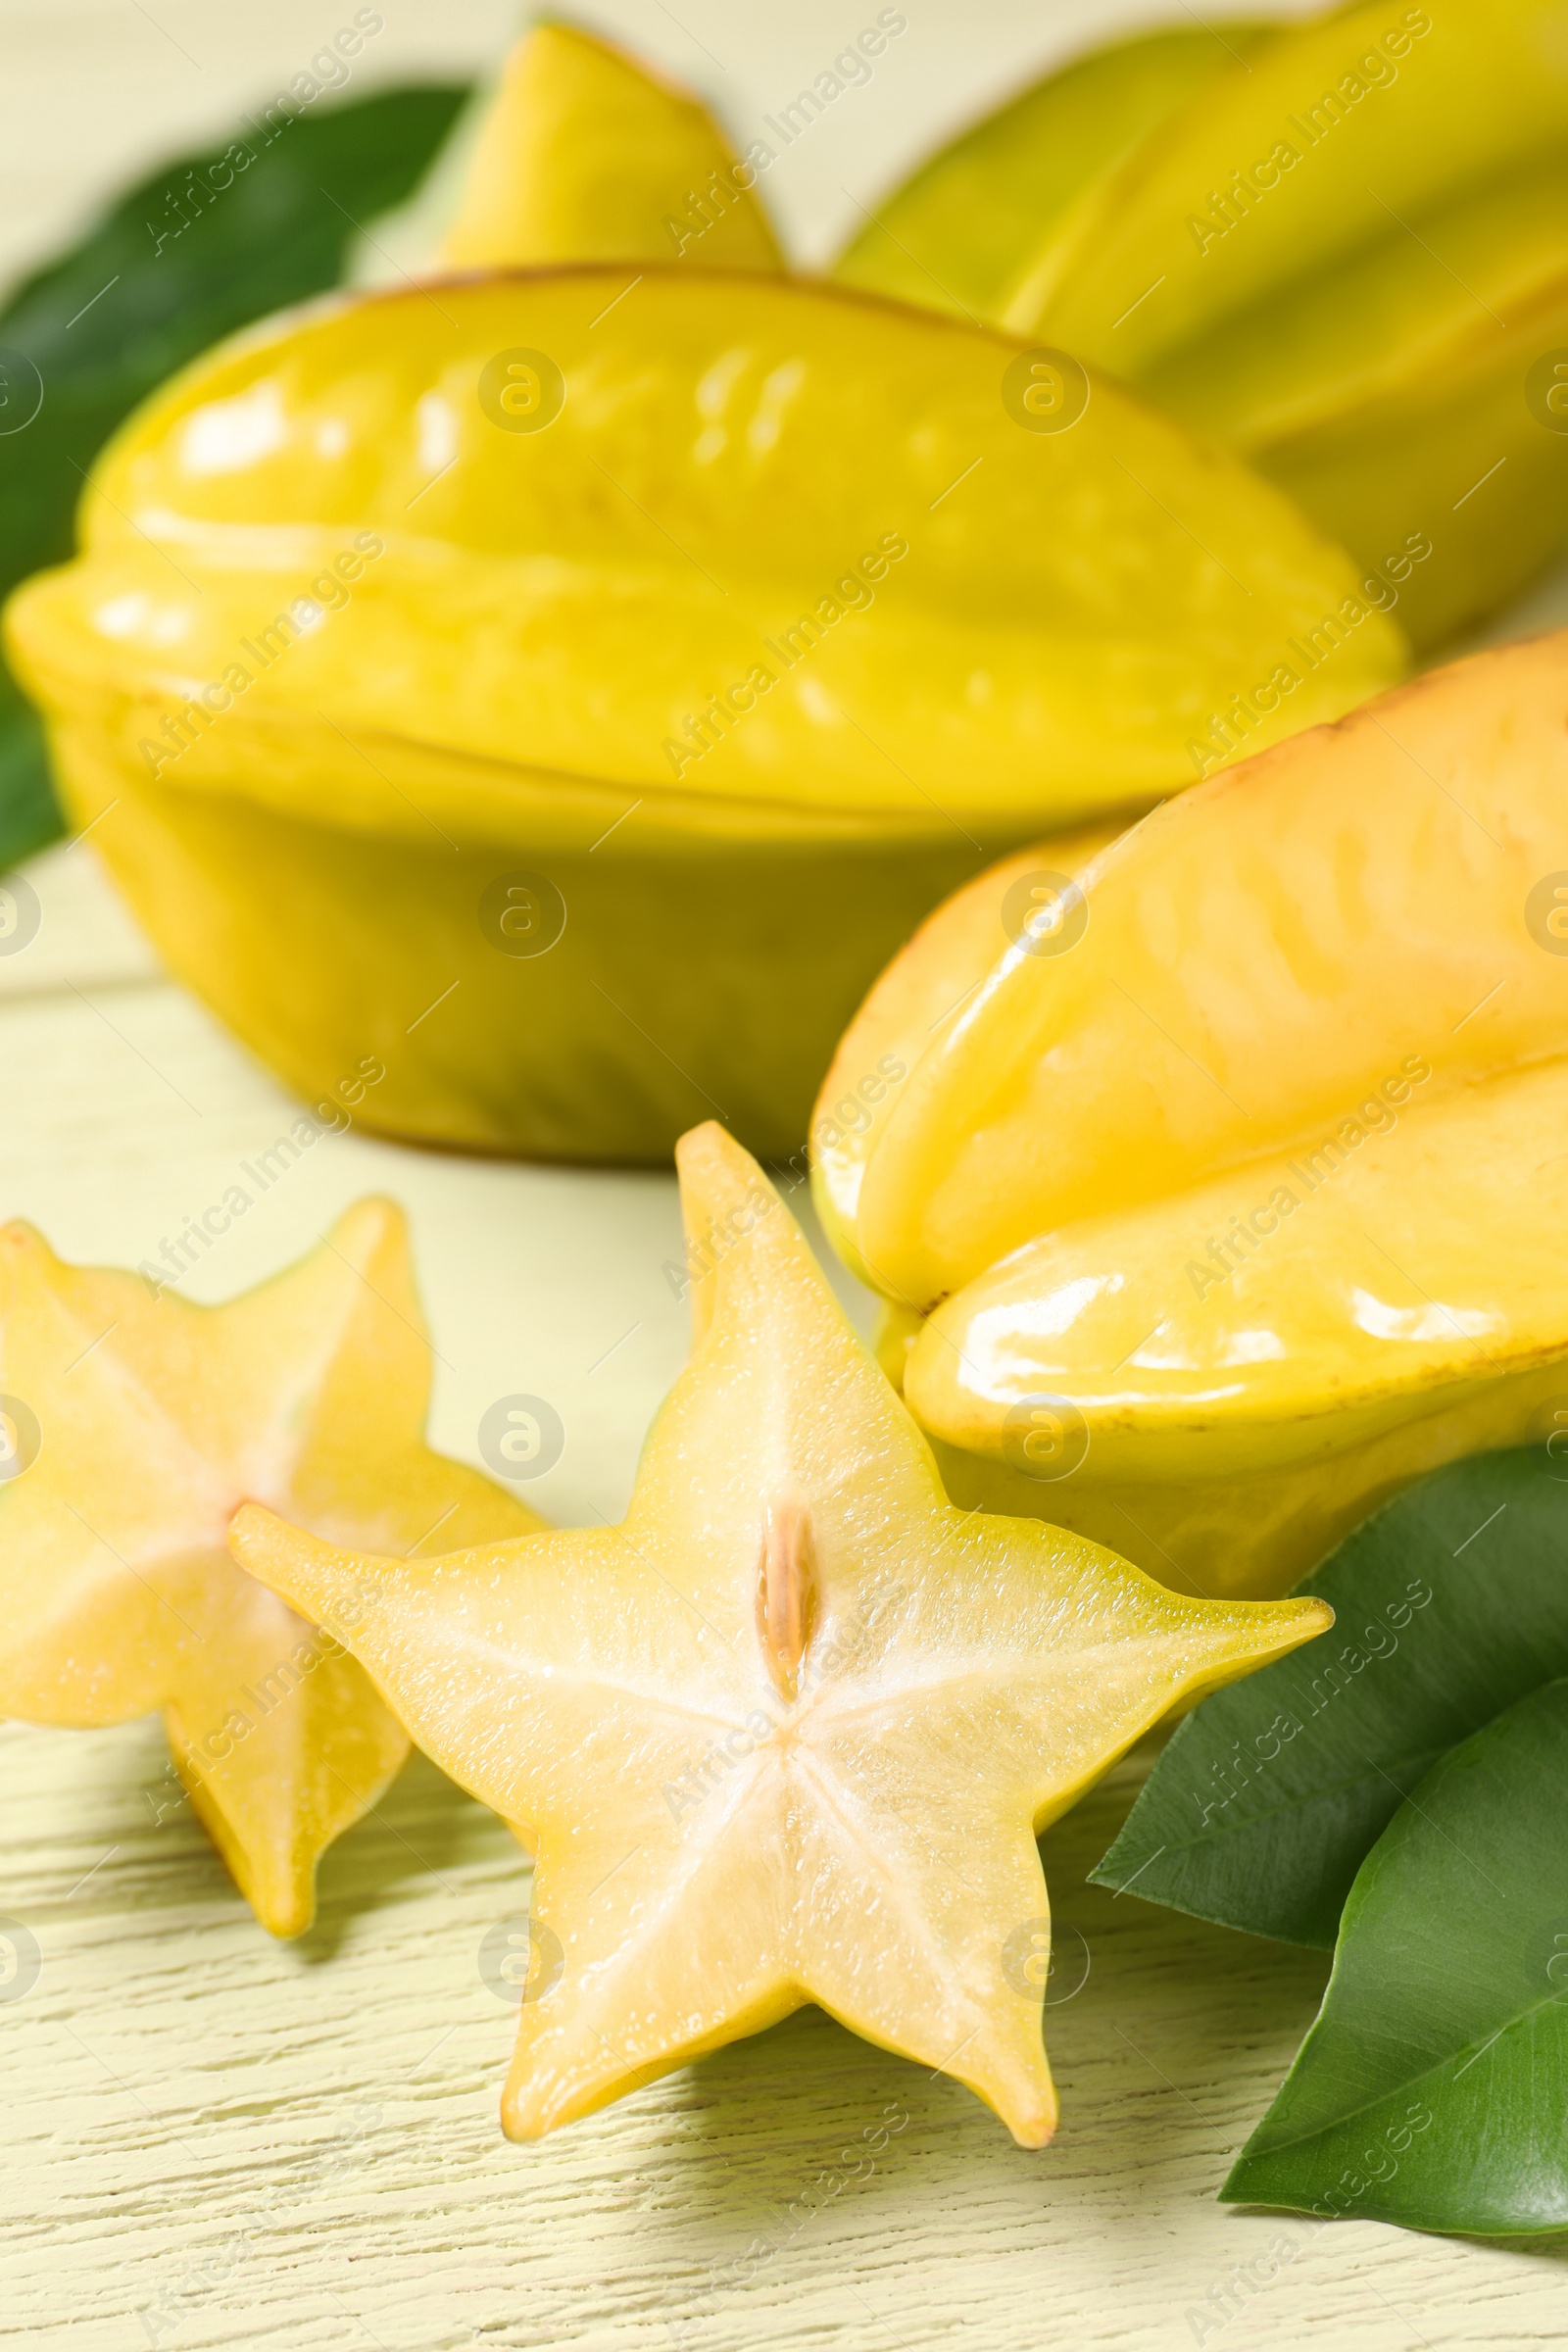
958, 232
570, 686
1341, 249
1215, 1174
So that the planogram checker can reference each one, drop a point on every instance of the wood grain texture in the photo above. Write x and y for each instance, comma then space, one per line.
215, 2140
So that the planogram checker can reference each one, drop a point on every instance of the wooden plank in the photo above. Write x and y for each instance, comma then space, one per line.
220, 2140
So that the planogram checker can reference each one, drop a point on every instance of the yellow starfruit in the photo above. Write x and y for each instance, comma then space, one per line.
587, 155
132, 1426
786, 1734
1217, 1211
953, 236
923, 989
1344, 253
567, 689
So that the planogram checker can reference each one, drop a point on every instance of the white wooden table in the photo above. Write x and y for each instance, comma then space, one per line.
213, 2139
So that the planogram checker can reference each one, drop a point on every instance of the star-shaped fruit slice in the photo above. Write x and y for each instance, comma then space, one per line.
786, 1734
132, 1426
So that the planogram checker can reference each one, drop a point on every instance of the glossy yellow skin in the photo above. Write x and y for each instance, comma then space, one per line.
1459, 106
934, 633
788, 1733
587, 155
1388, 400
1291, 1308
1245, 1210
1253, 1538
157, 1420
952, 234
1360, 317
922, 991
1259, 956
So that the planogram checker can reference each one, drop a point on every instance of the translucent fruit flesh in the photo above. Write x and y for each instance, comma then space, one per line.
140, 1424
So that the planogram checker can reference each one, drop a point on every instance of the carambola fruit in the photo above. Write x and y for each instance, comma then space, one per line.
1218, 1212
787, 1733
132, 1426
1341, 246
587, 155
958, 232
568, 688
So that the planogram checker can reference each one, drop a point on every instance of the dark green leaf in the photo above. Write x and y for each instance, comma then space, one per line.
1432, 2089
1450, 1604
178, 263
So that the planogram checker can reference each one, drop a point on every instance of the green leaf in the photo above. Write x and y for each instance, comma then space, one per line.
1450, 1604
179, 263
29, 817
1432, 2089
